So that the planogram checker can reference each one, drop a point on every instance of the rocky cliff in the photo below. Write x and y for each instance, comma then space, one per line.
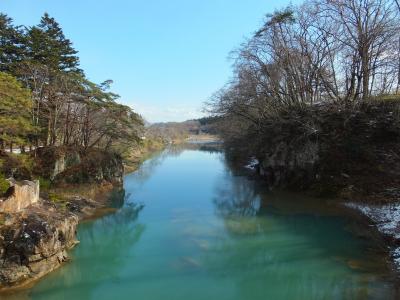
34, 242
289, 165
65, 165
348, 152
37, 229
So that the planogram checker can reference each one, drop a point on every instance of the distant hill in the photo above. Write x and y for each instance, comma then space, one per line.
174, 131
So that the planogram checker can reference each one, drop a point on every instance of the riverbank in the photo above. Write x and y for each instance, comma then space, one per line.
385, 218
376, 223
147, 148
36, 239
207, 231
40, 224
349, 154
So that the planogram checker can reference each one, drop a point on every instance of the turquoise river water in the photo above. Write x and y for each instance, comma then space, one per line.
190, 228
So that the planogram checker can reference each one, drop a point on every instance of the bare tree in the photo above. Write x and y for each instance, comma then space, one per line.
325, 51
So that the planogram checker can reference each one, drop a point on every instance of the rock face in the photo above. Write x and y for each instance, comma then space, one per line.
95, 167
34, 244
19, 196
59, 166
36, 233
332, 151
35, 240
79, 166
290, 165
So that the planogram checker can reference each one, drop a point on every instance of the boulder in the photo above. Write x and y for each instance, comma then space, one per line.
33, 245
19, 196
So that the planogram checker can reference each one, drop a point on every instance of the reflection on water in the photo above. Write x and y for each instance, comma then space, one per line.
191, 228
236, 197
117, 197
99, 260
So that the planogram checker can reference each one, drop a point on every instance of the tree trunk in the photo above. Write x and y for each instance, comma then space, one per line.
365, 77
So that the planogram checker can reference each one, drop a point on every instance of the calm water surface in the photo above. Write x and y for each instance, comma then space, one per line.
192, 229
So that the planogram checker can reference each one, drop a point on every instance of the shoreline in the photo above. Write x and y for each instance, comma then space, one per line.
88, 202
379, 222
385, 219
41, 235
82, 209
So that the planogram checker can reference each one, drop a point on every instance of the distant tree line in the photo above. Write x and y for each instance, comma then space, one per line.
45, 98
178, 131
337, 52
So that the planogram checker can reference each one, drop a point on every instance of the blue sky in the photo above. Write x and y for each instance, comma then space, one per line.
166, 57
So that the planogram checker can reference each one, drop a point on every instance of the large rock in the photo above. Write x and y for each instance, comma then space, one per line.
35, 244
35, 241
287, 165
19, 196
52, 161
73, 165
94, 167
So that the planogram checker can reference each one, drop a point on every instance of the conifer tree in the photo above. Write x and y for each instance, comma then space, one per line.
48, 45
15, 112
48, 49
12, 45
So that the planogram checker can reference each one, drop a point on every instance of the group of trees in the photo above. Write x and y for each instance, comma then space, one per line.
178, 131
172, 131
342, 52
45, 98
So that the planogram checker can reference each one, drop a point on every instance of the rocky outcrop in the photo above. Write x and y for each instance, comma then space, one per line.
34, 243
65, 165
59, 166
19, 196
35, 240
94, 168
332, 151
36, 232
287, 165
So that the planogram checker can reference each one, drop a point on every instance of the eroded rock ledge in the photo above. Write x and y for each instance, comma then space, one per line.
34, 240
38, 227
351, 153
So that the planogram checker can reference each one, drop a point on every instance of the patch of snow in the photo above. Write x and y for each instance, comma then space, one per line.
386, 217
252, 164
387, 220
396, 256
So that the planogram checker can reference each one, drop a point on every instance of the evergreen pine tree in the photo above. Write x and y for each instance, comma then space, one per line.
15, 111
48, 45
12, 44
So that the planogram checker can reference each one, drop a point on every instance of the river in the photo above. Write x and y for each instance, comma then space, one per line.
192, 228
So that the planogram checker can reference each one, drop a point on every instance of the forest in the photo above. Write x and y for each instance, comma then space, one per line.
46, 99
